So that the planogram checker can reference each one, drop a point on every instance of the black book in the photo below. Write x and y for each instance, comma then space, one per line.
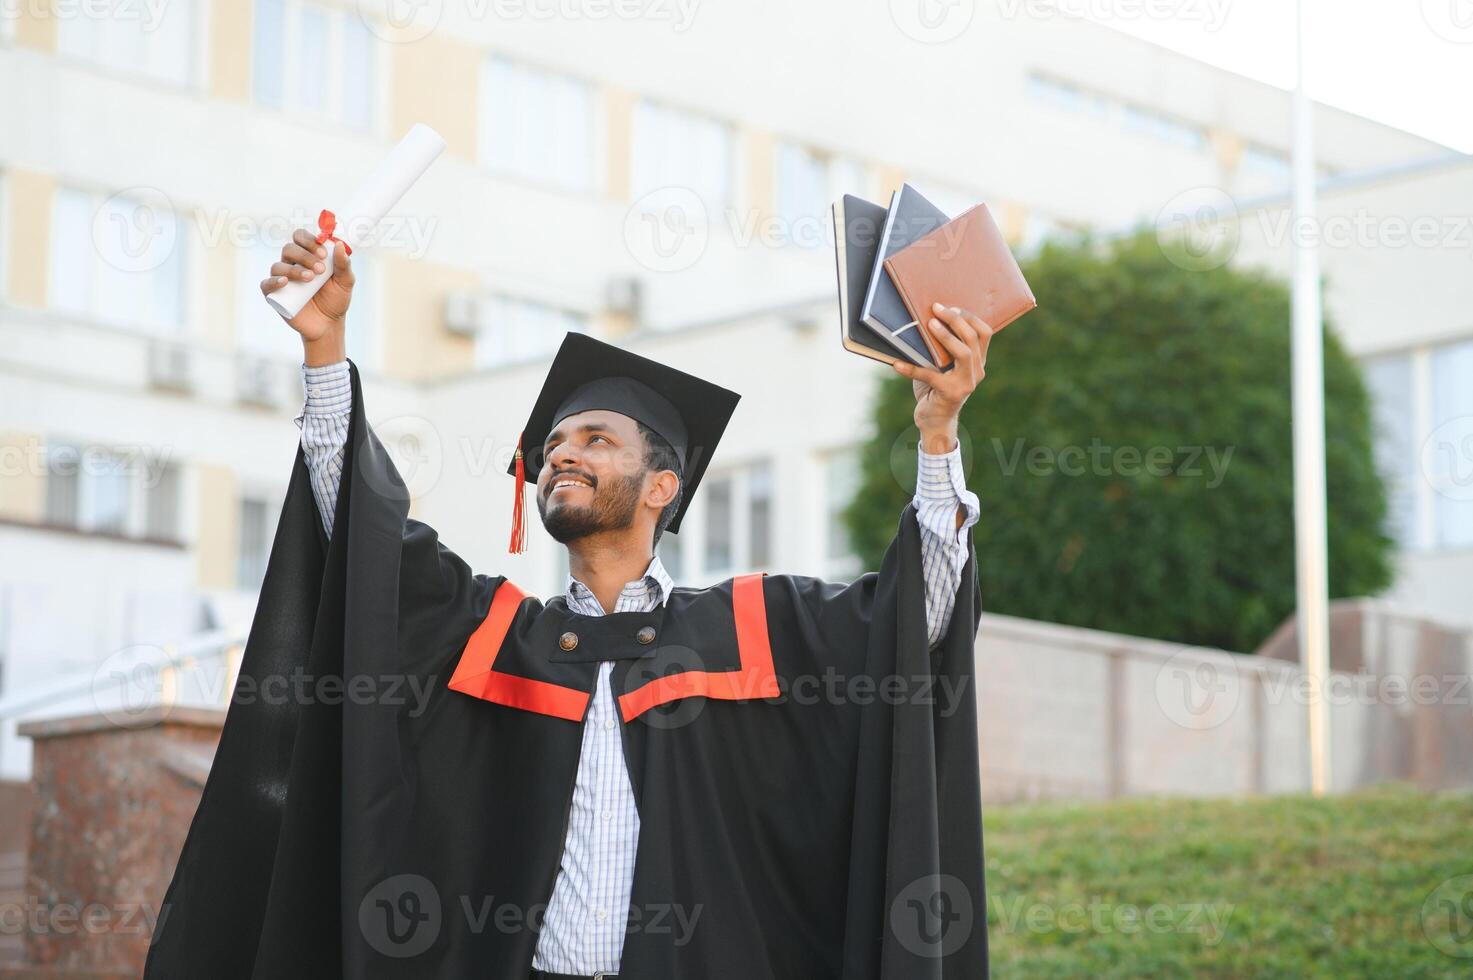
910, 217
858, 225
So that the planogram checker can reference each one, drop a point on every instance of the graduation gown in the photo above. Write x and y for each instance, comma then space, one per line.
391, 790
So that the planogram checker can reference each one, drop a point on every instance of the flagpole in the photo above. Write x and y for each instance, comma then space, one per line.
1310, 548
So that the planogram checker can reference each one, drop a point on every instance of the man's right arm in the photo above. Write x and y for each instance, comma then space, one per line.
321, 324
324, 422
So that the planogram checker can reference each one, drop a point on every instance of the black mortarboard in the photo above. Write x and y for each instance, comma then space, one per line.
691, 414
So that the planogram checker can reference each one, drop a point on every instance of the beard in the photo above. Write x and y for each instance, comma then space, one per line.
615, 502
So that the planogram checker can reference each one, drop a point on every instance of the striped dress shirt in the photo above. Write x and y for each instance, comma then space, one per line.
583, 929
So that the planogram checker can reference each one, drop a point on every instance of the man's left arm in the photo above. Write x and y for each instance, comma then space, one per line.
945, 508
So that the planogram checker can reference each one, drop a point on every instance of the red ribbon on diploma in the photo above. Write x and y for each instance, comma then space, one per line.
327, 223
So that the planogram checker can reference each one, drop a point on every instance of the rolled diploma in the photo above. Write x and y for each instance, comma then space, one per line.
383, 188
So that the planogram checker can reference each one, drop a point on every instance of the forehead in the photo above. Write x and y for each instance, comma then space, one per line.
616, 422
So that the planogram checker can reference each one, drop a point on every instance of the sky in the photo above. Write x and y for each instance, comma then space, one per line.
1407, 63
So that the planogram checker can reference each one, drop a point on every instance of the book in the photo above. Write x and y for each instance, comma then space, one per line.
965, 263
910, 217
857, 227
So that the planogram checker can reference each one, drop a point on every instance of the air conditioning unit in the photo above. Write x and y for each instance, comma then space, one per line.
170, 367
462, 312
624, 296
258, 383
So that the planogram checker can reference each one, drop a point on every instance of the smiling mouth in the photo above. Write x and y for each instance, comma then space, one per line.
567, 483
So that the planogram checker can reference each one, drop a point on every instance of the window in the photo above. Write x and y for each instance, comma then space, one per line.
315, 59
63, 484
118, 260
1265, 163
806, 182
669, 550
1390, 382
673, 148
759, 509
719, 551
738, 518
125, 492
1448, 456
1071, 98
537, 125
161, 501
254, 543
513, 330
155, 40
841, 483
1164, 128
1423, 412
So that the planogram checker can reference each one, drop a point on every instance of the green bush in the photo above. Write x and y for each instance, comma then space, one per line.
1132, 449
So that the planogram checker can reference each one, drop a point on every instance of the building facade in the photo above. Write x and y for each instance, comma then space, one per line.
658, 174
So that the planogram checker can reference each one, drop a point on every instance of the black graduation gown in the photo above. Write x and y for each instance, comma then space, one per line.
391, 790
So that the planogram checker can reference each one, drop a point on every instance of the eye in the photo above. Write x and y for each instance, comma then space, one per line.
604, 438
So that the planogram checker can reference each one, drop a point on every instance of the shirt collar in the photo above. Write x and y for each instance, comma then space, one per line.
655, 577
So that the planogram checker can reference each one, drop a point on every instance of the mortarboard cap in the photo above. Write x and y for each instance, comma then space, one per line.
691, 414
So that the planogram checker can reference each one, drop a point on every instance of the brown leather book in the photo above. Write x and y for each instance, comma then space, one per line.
966, 263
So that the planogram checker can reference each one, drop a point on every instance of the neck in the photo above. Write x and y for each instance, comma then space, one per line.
607, 563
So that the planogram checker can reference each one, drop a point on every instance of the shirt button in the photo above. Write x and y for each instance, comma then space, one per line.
608, 814
609, 724
602, 915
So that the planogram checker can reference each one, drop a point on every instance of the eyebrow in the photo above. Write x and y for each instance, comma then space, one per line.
556, 435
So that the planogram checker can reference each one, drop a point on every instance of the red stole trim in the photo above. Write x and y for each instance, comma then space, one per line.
755, 679
476, 673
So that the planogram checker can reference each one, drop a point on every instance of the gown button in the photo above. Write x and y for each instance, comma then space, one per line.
645, 635
568, 640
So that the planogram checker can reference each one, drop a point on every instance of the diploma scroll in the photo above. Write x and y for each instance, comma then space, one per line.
383, 188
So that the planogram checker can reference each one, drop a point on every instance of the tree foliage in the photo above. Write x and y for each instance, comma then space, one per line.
1132, 450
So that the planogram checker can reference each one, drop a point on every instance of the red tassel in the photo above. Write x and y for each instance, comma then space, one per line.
519, 507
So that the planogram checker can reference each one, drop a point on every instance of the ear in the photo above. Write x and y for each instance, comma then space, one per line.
660, 488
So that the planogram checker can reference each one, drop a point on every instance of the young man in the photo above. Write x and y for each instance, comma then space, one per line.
772, 777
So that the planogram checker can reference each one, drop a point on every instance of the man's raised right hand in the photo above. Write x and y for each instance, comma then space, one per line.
321, 320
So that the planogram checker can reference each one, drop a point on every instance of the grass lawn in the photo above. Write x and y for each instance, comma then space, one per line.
1351, 886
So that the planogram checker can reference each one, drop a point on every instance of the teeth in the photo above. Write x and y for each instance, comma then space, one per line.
568, 483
